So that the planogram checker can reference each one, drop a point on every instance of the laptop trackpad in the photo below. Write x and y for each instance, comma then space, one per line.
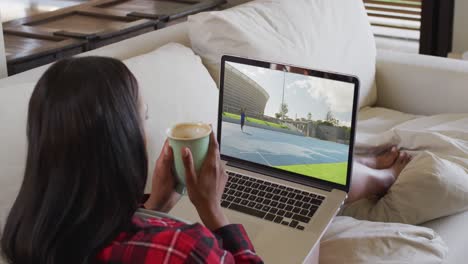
252, 225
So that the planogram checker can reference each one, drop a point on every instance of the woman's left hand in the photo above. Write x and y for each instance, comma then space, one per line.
163, 195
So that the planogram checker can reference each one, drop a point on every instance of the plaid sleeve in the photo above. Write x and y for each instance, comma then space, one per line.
235, 240
161, 240
208, 249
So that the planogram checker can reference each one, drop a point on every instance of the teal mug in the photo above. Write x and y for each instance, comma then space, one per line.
196, 137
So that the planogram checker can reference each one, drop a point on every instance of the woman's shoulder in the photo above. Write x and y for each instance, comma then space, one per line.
153, 238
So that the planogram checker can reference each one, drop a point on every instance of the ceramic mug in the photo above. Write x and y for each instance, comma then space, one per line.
196, 137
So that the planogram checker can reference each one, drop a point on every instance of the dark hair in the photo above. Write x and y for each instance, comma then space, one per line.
86, 164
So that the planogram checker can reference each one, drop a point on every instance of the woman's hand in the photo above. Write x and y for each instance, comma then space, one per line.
206, 188
163, 195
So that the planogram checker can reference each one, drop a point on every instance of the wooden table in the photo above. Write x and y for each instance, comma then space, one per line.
38, 40
14, 9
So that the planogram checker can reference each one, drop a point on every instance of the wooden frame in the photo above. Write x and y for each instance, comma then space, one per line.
59, 47
185, 8
41, 23
437, 27
44, 38
60, 43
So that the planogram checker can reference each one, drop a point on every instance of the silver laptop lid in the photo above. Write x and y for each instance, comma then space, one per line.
288, 122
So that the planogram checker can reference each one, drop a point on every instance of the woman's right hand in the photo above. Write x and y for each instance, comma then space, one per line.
206, 188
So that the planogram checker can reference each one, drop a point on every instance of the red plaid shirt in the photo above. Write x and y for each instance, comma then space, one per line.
163, 240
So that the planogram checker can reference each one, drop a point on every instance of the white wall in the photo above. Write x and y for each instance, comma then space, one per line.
460, 29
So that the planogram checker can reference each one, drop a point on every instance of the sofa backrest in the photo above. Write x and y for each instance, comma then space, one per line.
333, 35
13, 144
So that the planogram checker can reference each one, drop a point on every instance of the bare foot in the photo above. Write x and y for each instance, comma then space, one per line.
368, 182
385, 178
383, 160
400, 164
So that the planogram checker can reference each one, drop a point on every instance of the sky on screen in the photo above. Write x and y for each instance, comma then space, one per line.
303, 94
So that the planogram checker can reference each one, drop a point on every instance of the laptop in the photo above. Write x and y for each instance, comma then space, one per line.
286, 134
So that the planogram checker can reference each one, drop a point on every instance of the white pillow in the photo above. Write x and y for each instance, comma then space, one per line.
177, 88
353, 241
431, 186
332, 35
14, 102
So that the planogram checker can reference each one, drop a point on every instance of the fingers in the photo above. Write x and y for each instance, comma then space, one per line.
224, 176
213, 142
164, 148
168, 155
160, 158
190, 174
214, 148
166, 158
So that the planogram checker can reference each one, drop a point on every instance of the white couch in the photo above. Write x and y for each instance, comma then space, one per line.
414, 84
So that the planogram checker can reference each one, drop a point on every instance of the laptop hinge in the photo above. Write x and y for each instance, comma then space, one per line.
279, 175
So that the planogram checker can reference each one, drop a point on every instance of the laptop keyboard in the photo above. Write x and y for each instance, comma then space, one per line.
273, 202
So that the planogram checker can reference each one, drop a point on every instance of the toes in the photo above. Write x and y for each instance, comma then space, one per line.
391, 155
402, 157
409, 158
392, 151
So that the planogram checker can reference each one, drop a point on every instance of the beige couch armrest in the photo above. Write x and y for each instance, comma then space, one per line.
419, 84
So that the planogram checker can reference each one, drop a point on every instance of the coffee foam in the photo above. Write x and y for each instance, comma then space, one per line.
189, 131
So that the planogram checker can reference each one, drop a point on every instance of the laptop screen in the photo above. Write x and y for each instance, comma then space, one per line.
293, 119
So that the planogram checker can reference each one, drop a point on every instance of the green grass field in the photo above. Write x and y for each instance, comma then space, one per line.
334, 172
254, 120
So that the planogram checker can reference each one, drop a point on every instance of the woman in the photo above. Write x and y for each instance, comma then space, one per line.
86, 171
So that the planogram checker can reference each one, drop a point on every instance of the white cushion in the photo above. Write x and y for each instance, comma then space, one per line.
352, 241
444, 135
332, 35
14, 102
177, 88
431, 186
449, 229
434, 184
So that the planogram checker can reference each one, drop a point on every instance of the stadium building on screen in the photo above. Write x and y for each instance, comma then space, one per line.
240, 91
